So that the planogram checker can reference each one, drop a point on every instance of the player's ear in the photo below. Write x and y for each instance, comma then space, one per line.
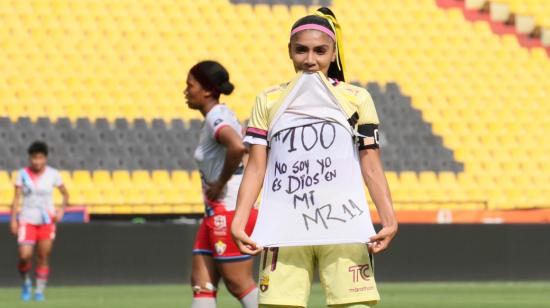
207, 93
289, 51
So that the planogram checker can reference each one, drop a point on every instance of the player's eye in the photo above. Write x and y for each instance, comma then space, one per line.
300, 49
320, 50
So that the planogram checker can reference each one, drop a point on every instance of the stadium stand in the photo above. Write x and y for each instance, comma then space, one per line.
539, 9
464, 111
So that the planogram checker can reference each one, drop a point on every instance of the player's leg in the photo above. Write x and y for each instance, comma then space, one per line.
285, 276
26, 239
42, 271
204, 279
25, 261
24, 266
347, 275
45, 236
234, 267
238, 278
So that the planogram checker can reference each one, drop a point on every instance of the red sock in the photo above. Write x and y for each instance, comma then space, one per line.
245, 293
205, 294
24, 267
42, 272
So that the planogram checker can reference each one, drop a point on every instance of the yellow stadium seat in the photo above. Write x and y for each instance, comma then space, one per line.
82, 179
447, 178
77, 198
181, 178
134, 197
174, 196
161, 179
122, 179
92, 196
66, 178
408, 178
141, 179
113, 197
6, 195
102, 179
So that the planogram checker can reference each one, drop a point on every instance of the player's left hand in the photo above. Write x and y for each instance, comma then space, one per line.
213, 190
245, 244
59, 215
382, 239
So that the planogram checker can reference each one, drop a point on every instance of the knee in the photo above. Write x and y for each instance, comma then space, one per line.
238, 288
25, 257
233, 287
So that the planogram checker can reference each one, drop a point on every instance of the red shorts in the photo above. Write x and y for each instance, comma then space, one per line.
29, 234
214, 237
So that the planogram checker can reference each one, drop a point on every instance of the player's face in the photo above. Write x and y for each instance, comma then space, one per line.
311, 51
194, 93
38, 162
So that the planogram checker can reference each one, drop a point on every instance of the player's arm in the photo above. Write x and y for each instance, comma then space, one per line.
373, 175
248, 194
373, 172
235, 150
14, 204
65, 202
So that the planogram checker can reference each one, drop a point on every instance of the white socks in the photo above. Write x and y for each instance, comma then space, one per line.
203, 302
250, 300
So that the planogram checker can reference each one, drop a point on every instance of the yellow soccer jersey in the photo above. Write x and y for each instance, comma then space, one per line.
355, 101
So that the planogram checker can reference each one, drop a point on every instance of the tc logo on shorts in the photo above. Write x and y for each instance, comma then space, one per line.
264, 283
220, 247
218, 121
361, 270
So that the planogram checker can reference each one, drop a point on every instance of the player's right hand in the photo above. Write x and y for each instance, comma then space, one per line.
13, 227
245, 244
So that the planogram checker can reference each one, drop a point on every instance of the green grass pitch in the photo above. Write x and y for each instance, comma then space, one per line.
425, 295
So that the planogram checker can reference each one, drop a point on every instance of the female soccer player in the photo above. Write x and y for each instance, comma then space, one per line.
345, 270
35, 225
219, 158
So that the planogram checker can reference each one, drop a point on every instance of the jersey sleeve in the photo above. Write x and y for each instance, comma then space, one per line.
57, 179
368, 122
256, 132
216, 122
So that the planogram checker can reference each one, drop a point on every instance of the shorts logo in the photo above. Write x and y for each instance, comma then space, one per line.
218, 121
264, 283
220, 225
361, 270
220, 247
219, 221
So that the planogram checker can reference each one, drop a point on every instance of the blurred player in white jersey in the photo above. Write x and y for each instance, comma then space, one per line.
219, 158
35, 224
